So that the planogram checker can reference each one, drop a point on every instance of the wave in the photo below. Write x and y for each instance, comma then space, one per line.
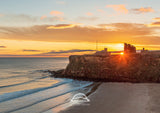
32, 72
91, 88
9, 96
12, 77
22, 82
36, 102
24, 75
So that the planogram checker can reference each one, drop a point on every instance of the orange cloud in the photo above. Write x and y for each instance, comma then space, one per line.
61, 26
118, 8
143, 10
89, 14
156, 19
56, 13
124, 32
43, 17
2, 46
154, 24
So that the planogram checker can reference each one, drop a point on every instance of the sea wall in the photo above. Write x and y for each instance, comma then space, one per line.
128, 67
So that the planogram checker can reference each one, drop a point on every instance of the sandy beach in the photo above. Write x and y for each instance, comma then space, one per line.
121, 98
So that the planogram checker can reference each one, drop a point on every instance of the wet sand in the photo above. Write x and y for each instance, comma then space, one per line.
121, 98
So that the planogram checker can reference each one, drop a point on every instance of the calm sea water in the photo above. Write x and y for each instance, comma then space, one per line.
26, 88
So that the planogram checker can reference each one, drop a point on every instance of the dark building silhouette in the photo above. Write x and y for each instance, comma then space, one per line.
144, 50
128, 48
103, 52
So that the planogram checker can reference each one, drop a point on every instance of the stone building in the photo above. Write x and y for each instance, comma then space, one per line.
103, 52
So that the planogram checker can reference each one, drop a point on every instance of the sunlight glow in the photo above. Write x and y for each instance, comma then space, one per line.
121, 53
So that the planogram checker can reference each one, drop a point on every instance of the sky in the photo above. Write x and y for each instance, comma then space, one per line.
58, 28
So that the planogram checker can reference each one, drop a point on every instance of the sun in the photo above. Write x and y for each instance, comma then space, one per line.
121, 53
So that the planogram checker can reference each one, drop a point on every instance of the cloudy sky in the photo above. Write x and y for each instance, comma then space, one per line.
64, 27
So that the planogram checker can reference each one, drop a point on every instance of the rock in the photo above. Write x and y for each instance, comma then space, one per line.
127, 68
59, 73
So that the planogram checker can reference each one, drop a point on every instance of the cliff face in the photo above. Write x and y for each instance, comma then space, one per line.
130, 68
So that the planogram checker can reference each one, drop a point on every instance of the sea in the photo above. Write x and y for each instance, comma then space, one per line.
26, 86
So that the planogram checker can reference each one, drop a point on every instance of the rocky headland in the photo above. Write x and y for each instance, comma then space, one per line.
127, 67
119, 68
